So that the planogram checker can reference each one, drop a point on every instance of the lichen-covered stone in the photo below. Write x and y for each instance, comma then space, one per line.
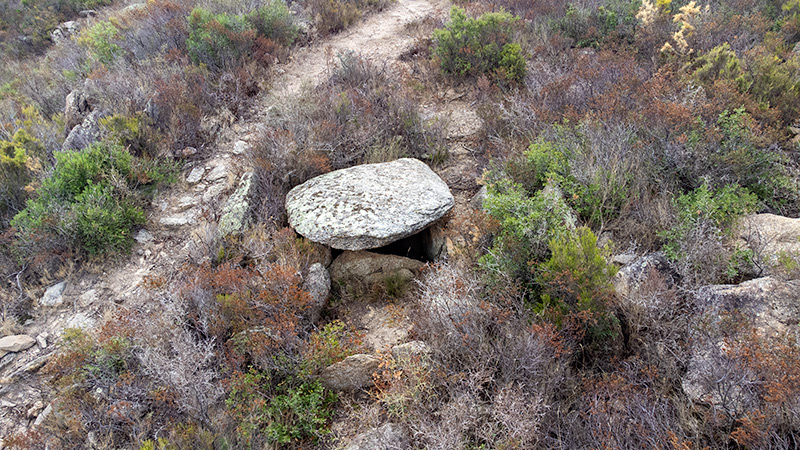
236, 211
368, 206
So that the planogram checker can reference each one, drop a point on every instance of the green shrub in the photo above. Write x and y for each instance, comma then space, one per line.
702, 207
474, 46
719, 62
614, 20
218, 40
134, 133
289, 414
577, 283
274, 21
330, 344
527, 224
91, 200
15, 172
99, 40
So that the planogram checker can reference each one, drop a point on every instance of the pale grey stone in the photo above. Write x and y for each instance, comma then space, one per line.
368, 206
318, 285
143, 236
53, 296
16, 343
369, 268
351, 374
237, 210
386, 437
195, 175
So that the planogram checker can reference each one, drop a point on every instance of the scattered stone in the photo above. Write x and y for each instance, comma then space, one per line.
318, 285
87, 298
476, 202
16, 343
219, 172
187, 152
464, 122
7, 404
132, 8
351, 374
409, 350
87, 13
236, 212
178, 221
143, 236
213, 192
195, 175
367, 268
368, 206
81, 321
624, 259
386, 437
34, 410
239, 147
41, 340
53, 296
43, 415
186, 202
64, 31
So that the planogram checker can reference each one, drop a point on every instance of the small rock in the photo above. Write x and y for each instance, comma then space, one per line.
87, 298
367, 268
240, 147
53, 295
85, 134
624, 259
219, 172
409, 350
41, 340
34, 410
631, 277
351, 374
318, 285
143, 236
43, 415
186, 202
178, 221
16, 343
187, 152
213, 191
81, 321
386, 437
7, 404
195, 175
476, 202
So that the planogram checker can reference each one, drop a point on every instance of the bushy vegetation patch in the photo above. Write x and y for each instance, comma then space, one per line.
484, 45
91, 202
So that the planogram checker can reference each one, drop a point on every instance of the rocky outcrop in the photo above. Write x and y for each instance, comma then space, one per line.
351, 374
85, 134
771, 237
386, 437
64, 31
76, 109
237, 210
367, 268
769, 305
368, 206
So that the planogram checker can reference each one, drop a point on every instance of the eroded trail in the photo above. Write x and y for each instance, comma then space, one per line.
381, 37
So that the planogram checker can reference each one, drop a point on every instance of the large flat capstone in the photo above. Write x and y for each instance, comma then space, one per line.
368, 206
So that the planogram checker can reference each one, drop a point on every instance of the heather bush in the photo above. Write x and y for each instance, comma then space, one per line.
611, 22
289, 413
527, 224
17, 161
90, 201
699, 242
475, 46
100, 42
218, 40
576, 286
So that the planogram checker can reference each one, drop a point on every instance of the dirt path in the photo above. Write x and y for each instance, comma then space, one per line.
381, 37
